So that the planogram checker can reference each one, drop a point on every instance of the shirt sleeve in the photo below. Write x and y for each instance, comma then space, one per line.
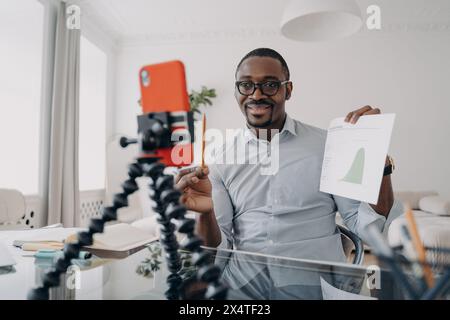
223, 207
357, 215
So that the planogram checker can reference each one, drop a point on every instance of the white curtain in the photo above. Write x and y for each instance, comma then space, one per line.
59, 180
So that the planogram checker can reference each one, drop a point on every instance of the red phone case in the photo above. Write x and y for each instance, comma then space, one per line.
163, 89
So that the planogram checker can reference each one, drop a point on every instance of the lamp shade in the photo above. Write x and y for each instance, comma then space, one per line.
320, 20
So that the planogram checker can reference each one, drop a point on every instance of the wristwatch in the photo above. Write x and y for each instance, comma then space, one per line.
390, 167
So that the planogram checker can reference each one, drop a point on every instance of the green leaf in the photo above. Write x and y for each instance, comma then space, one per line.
198, 99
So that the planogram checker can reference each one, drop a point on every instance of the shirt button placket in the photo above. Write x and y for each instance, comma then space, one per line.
271, 225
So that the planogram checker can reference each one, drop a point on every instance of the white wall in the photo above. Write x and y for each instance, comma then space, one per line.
402, 72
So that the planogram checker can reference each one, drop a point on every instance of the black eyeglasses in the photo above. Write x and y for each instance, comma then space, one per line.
268, 88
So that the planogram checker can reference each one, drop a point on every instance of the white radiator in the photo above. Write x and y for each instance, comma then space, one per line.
91, 205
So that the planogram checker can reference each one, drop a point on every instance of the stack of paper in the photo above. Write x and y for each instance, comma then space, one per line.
117, 241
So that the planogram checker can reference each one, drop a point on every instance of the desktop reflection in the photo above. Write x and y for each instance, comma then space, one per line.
253, 276
249, 276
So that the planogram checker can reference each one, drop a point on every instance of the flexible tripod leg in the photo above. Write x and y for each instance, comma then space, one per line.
168, 207
85, 238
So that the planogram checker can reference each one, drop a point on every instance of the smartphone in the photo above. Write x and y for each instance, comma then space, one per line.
163, 89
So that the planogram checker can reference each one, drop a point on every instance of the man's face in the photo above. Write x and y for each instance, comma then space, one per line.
260, 110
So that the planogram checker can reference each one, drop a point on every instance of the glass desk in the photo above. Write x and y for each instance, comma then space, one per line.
248, 275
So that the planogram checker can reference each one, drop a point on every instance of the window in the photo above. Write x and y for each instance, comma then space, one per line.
21, 37
92, 141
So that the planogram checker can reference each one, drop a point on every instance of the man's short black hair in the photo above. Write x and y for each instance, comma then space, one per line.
266, 52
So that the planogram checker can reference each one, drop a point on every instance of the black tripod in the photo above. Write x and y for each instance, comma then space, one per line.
154, 129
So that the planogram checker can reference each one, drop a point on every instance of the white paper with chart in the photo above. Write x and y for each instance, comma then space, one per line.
355, 156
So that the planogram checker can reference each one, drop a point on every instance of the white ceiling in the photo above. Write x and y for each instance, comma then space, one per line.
137, 21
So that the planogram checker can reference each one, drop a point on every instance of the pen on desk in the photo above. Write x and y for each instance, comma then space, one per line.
50, 254
420, 250
378, 243
383, 250
36, 246
410, 253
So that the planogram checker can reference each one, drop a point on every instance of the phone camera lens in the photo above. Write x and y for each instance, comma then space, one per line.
145, 78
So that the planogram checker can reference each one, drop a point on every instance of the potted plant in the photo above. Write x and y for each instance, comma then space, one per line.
201, 98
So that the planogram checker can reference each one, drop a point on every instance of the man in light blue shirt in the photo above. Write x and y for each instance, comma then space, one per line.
282, 213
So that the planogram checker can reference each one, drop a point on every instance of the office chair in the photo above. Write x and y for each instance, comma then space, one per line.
350, 242
12, 208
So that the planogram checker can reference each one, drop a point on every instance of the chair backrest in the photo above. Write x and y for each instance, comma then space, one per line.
350, 237
12, 206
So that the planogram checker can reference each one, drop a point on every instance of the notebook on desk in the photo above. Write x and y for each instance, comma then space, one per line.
116, 242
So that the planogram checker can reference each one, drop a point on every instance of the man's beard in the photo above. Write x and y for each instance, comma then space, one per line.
261, 125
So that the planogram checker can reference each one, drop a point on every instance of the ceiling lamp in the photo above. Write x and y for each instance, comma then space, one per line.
320, 20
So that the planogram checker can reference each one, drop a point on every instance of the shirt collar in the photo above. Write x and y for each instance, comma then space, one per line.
289, 126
